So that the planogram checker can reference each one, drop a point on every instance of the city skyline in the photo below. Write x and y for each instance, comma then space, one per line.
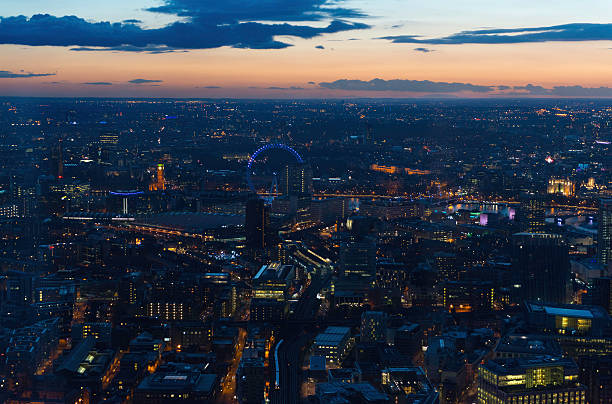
306, 49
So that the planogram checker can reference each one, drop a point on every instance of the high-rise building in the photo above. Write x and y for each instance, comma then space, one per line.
601, 293
358, 261
56, 161
251, 381
532, 213
373, 326
604, 232
596, 375
530, 380
541, 267
296, 180
257, 223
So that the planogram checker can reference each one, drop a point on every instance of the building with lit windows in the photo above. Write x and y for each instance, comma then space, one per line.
167, 311
571, 319
467, 296
271, 289
101, 332
334, 344
177, 383
408, 385
532, 213
604, 232
561, 186
160, 179
373, 326
544, 379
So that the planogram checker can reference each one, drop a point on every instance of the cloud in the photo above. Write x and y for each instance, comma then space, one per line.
210, 87
5, 74
204, 24
416, 86
144, 81
424, 50
98, 83
285, 88
312, 82
319, 47
231, 11
565, 91
555, 33
150, 49
132, 21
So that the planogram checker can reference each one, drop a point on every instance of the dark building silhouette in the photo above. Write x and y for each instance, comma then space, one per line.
601, 293
541, 267
56, 161
257, 223
531, 213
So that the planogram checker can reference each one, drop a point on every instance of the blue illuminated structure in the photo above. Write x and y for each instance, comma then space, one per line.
125, 195
264, 148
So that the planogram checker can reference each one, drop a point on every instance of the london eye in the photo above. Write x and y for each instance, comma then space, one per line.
264, 166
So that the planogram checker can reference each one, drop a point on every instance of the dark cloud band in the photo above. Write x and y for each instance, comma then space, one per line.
556, 33
208, 24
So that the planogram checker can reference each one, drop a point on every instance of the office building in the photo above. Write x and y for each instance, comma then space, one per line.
604, 232
601, 293
541, 267
177, 382
532, 213
530, 380
271, 288
567, 319
373, 326
251, 382
408, 385
296, 180
334, 344
257, 223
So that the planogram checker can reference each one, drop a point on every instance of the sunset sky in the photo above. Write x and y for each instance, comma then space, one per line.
306, 48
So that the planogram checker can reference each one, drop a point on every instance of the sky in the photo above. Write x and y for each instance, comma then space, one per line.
306, 48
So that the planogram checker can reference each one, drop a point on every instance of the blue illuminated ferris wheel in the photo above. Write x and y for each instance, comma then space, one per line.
265, 148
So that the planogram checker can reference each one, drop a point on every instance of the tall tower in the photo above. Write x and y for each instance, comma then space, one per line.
604, 232
160, 183
56, 161
540, 263
257, 223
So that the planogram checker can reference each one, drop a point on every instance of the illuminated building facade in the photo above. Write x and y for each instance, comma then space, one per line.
530, 380
334, 344
604, 232
160, 183
373, 326
561, 186
271, 288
